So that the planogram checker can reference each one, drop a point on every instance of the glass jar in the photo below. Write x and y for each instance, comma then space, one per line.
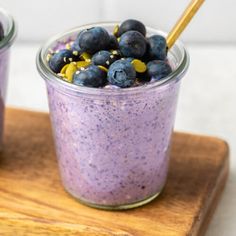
113, 145
9, 28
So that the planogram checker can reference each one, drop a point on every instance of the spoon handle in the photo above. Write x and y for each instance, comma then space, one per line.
184, 20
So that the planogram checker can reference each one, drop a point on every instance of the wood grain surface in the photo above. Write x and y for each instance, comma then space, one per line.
33, 201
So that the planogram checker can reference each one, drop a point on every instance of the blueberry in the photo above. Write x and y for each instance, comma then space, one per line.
129, 59
158, 69
122, 74
113, 44
92, 76
1, 31
146, 57
75, 46
93, 40
157, 48
103, 58
61, 58
143, 77
131, 24
132, 44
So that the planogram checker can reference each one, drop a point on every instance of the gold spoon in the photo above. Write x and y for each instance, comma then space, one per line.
184, 20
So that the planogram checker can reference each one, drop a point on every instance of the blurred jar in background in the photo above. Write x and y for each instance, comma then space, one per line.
7, 36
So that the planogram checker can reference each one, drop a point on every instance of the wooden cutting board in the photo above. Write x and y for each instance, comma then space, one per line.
33, 201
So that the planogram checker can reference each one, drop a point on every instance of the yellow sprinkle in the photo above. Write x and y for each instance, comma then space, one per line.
68, 46
76, 53
139, 66
48, 57
85, 56
114, 52
63, 70
66, 79
116, 29
118, 39
103, 68
71, 69
61, 75
82, 64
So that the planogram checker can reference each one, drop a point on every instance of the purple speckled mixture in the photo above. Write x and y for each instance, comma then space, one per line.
4, 61
113, 144
113, 150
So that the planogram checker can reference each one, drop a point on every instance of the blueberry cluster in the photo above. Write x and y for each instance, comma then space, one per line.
125, 59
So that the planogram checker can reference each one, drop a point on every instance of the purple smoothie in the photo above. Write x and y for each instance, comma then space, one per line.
8, 29
113, 145
4, 60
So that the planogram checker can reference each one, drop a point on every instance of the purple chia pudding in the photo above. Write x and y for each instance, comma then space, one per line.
113, 145
7, 36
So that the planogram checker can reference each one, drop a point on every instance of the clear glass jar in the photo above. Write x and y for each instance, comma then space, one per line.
113, 145
9, 36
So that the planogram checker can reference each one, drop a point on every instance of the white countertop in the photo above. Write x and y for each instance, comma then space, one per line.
206, 106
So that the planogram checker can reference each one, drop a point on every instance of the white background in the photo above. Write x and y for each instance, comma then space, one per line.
208, 96
38, 19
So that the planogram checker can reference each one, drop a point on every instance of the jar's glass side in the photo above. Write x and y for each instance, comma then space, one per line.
10, 30
8, 25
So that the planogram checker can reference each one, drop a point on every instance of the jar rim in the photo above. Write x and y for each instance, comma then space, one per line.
10, 35
52, 78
